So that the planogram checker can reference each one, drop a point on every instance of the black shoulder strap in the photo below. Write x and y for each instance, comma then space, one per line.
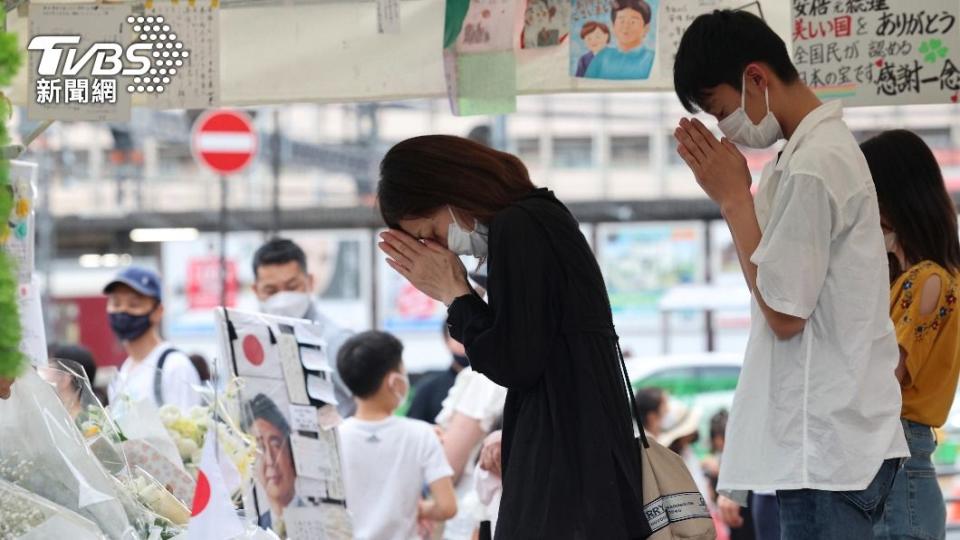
158, 376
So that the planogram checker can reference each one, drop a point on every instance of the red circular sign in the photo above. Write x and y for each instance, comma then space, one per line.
253, 350
202, 495
224, 141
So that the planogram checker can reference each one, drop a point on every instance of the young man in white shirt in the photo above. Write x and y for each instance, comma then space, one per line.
816, 413
388, 459
154, 370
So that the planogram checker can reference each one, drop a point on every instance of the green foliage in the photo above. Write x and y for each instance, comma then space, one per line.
12, 360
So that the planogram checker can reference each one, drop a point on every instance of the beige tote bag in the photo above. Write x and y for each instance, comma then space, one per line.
674, 507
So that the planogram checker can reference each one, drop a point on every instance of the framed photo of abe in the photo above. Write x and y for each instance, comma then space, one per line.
287, 405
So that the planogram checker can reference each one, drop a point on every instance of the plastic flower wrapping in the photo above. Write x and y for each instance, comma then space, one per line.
101, 434
26, 516
149, 514
47, 456
119, 473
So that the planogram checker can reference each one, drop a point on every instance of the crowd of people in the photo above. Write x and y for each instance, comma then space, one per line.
850, 251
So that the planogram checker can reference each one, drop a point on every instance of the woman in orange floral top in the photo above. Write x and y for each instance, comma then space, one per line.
920, 228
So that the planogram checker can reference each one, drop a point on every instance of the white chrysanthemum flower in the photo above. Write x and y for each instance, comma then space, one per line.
169, 414
187, 448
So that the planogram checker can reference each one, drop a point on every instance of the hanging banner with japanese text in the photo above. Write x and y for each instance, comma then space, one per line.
878, 52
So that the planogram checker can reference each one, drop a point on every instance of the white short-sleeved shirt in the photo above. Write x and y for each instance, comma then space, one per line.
821, 410
385, 467
179, 376
475, 396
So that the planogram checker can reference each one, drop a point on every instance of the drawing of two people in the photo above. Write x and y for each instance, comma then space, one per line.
628, 58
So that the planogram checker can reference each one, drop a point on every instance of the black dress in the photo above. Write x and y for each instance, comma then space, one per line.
571, 464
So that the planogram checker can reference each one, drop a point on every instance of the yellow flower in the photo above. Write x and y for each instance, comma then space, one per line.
23, 208
91, 431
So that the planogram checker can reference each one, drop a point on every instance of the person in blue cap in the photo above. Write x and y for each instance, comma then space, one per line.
154, 370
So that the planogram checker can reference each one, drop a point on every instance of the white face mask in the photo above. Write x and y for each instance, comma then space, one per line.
741, 130
890, 239
287, 304
463, 242
401, 396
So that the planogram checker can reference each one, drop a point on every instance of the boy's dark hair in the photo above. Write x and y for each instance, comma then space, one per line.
716, 49
366, 359
263, 408
637, 5
913, 199
648, 401
279, 251
590, 26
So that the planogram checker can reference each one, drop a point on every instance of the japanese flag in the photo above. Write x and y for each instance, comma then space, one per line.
213, 517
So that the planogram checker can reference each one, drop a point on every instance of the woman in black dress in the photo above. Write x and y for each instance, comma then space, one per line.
571, 465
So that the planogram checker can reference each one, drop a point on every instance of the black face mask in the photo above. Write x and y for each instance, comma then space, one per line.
461, 361
129, 327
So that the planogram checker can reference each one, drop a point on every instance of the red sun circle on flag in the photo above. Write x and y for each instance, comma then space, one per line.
253, 350
202, 495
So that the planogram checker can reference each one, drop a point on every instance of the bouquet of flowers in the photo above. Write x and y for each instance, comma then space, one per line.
52, 460
156, 498
187, 431
149, 507
26, 515
102, 435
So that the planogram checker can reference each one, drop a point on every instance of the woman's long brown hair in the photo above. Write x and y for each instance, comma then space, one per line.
913, 199
422, 174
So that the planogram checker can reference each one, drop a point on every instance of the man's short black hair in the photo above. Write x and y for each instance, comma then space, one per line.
262, 407
716, 49
279, 251
366, 359
637, 5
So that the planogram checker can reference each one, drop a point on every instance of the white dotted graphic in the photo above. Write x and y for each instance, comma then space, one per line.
167, 51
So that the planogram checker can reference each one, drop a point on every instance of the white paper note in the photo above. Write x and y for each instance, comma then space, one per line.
196, 83
336, 522
33, 338
289, 353
81, 96
312, 457
388, 16
320, 386
310, 334
304, 418
311, 489
22, 237
304, 522
315, 359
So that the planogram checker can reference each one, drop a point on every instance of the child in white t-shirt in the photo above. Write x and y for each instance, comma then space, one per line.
387, 459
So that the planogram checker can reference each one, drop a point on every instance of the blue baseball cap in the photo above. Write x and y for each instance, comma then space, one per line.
142, 280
